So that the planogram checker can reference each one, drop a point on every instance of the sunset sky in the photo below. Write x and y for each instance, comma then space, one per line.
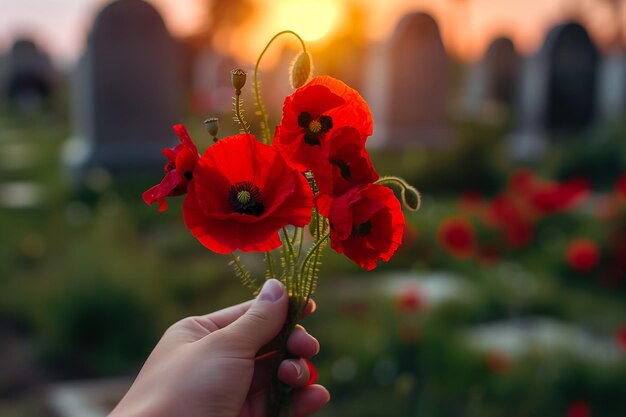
466, 25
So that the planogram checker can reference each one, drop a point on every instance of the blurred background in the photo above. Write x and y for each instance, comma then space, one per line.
507, 297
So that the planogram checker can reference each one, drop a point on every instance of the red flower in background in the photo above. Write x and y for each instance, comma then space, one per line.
366, 224
579, 409
554, 197
313, 113
620, 338
181, 161
346, 165
457, 236
499, 362
410, 299
243, 192
502, 211
523, 181
582, 254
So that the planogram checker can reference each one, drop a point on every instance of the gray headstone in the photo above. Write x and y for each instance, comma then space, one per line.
612, 86
417, 85
502, 66
558, 90
127, 91
573, 62
493, 82
29, 75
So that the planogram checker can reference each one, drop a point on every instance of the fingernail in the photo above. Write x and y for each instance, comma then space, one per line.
298, 369
272, 290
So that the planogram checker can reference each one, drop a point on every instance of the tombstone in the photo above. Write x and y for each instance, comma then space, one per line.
211, 88
416, 86
494, 81
572, 78
29, 78
558, 90
611, 95
126, 92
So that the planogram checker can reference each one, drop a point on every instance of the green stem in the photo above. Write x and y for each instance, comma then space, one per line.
269, 260
244, 275
238, 113
289, 262
257, 89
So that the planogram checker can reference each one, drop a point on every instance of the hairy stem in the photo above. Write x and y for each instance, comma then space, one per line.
265, 129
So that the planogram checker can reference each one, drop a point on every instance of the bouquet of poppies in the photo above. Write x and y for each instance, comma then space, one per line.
288, 195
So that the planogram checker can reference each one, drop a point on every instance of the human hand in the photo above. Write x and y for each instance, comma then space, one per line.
216, 365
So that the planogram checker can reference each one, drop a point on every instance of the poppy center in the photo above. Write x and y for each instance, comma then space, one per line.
245, 198
314, 128
360, 230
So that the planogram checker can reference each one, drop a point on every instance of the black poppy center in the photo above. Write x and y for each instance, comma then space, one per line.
360, 230
245, 198
343, 166
314, 128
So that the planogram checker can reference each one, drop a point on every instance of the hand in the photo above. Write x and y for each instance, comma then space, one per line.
215, 366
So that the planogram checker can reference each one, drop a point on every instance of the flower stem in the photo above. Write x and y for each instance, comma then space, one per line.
243, 125
290, 259
243, 274
271, 270
265, 136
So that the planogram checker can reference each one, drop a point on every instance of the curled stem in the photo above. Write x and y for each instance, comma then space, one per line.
265, 134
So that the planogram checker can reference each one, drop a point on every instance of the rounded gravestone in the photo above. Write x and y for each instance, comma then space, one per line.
127, 90
502, 67
417, 96
573, 63
30, 73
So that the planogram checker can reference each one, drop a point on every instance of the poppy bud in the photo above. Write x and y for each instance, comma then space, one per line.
300, 70
238, 79
212, 126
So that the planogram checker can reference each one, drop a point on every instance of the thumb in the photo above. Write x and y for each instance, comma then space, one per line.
262, 322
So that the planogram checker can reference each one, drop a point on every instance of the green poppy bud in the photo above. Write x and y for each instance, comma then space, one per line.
300, 70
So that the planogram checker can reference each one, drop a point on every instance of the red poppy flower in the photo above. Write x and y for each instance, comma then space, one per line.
523, 181
181, 161
579, 409
366, 224
499, 362
457, 236
312, 114
313, 375
554, 197
582, 254
410, 300
346, 165
501, 211
243, 192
